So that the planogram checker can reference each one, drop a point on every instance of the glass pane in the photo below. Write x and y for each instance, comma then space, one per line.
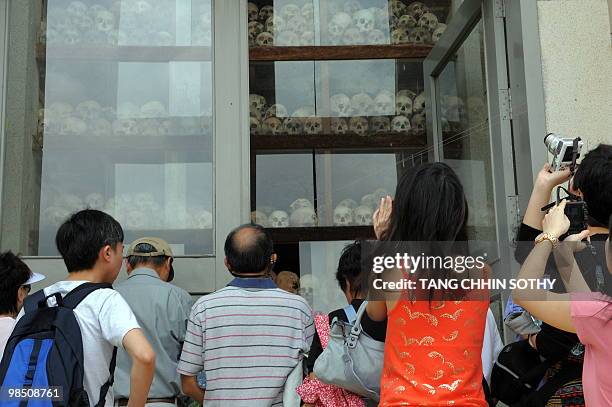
125, 120
464, 121
350, 22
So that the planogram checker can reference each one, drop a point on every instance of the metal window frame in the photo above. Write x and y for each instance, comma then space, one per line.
3, 68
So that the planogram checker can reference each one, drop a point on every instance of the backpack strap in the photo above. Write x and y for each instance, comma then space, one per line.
110, 381
351, 314
74, 297
32, 301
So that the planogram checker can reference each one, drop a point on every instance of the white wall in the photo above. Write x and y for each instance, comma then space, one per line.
577, 68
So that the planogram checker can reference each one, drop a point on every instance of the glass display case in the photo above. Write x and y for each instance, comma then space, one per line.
125, 118
337, 110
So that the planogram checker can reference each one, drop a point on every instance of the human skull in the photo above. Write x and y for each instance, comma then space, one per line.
418, 124
352, 36
349, 203
312, 125
125, 127
370, 200
419, 35
343, 216
255, 28
275, 24
257, 103
273, 125
60, 109
339, 125
397, 8
77, 8
437, 33
278, 219
259, 218
362, 104
383, 103
293, 126
100, 127
153, 108
304, 111
148, 128
308, 12
300, 203
417, 9
400, 124
419, 103
289, 11
253, 11
358, 125
428, 21
380, 124
89, 110
377, 37
341, 105
128, 110
264, 39
303, 217
339, 23
307, 38
306, 291
255, 126
203, 219
288, 38
399, 36
94, 201
406, 92
364, 20
105, 21
298, 24
73, 126
352, 6
403, 105
363, 215
277, 110
406, 22
55, 215
265, 13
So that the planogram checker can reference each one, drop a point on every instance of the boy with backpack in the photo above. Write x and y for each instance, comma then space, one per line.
67, 334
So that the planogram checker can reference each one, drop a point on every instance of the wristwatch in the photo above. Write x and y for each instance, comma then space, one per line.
546, 236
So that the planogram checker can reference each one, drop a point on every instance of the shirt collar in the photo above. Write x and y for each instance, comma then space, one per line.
144, 271
252, 283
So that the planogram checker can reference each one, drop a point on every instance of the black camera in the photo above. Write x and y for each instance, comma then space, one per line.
577, 213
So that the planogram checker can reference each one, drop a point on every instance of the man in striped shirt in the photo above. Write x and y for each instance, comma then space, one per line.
248, 336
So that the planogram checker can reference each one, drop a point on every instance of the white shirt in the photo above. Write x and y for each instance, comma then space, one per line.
491, 346
104, 318
6, 328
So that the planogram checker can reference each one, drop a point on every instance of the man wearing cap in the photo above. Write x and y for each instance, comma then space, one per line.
16, 280
162, 310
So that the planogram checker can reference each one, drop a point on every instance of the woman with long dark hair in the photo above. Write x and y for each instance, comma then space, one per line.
434, 342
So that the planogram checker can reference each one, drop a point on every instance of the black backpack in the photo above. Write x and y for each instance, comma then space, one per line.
45, 350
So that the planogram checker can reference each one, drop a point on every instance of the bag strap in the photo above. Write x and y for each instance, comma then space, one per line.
32, 301
351, 341
350, 313
110, 381
74, 297
541, 396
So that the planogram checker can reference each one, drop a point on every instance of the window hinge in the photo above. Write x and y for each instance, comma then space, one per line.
514, 211
500, 9
505, 104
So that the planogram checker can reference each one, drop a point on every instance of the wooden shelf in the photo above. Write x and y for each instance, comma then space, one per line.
130, 145
320, 233
123, 53
339, 52
339, 141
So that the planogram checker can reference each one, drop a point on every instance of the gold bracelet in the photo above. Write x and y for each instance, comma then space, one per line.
546, 236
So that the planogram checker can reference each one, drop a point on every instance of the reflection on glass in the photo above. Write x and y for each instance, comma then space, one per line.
123, 133
357, 97
284, 191
345, 22
128, 23
350, 186
464, 123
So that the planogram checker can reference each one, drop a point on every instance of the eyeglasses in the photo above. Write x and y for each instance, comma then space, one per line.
27, 288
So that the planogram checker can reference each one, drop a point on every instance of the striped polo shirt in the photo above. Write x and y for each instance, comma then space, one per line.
247, 338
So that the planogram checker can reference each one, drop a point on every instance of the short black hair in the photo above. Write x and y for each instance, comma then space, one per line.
13, 274
81, 237
153, 261
594, 179
349, 269
248, 249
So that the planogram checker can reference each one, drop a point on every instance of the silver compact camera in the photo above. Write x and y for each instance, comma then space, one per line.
565, 150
